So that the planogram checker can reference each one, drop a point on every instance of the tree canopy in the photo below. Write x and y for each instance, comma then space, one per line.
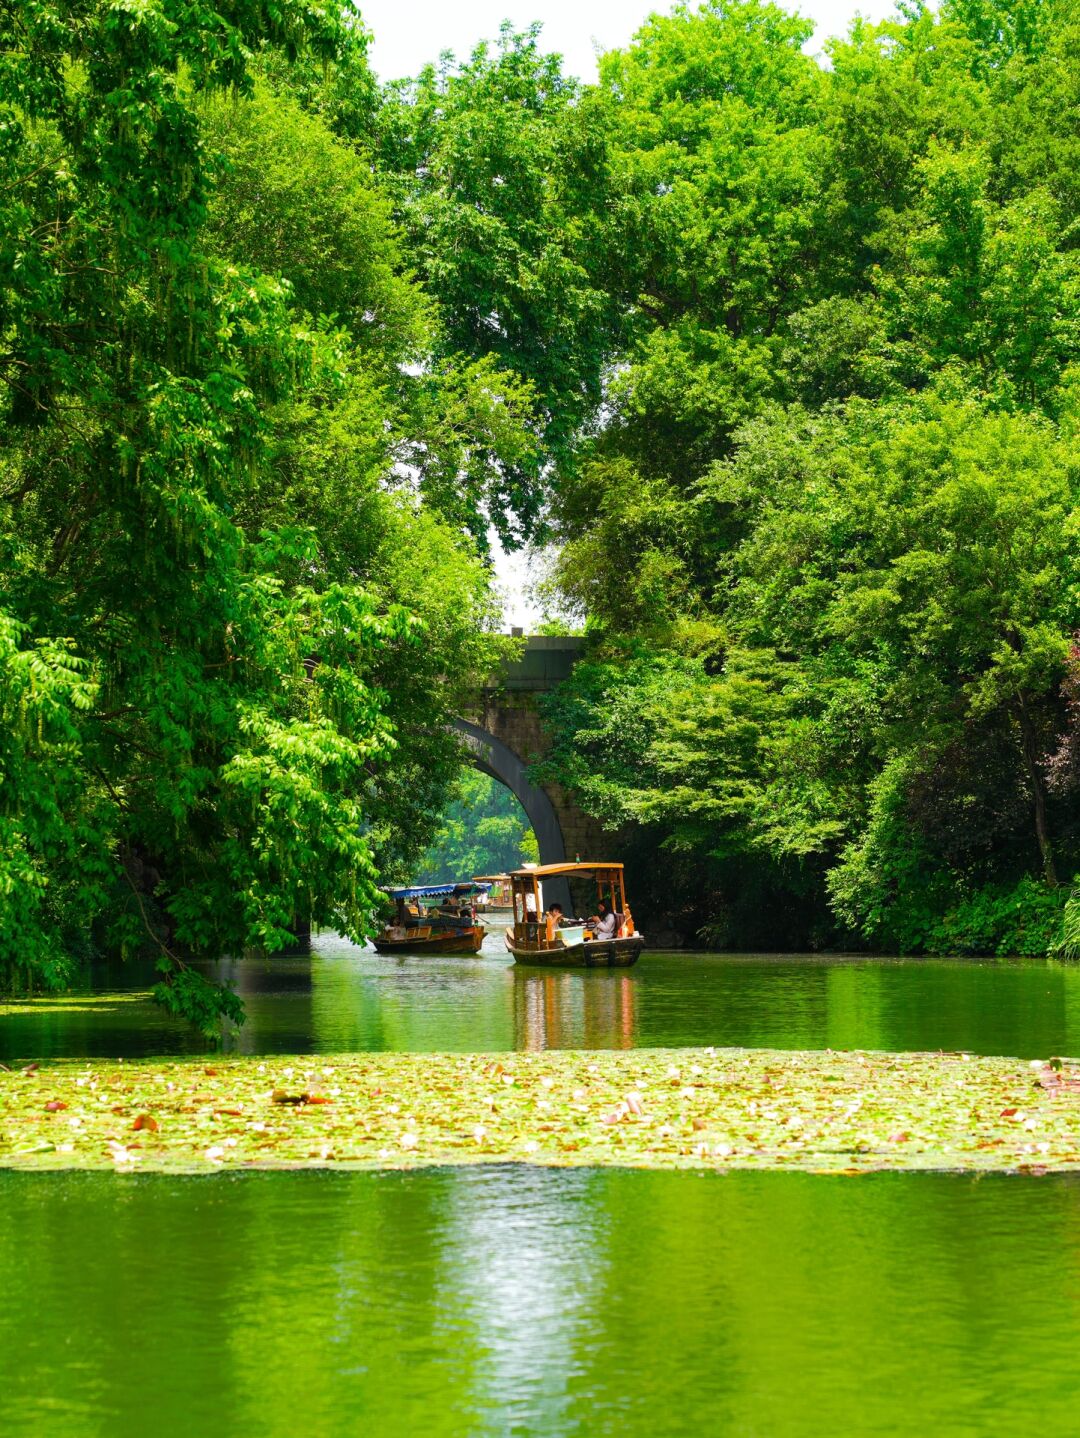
484, 830
826, 535
231, 625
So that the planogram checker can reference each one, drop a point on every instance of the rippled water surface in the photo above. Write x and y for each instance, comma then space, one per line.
343, 998
507, 1300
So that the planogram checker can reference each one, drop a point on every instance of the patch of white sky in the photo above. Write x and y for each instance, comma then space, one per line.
409, 33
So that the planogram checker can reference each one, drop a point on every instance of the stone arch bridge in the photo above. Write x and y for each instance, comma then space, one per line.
503, 737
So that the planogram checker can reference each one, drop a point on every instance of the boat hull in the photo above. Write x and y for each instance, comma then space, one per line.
463, 941
592, 954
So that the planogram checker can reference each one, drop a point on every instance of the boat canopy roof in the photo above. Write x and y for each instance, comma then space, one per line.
544, 871
489, 879
438, 891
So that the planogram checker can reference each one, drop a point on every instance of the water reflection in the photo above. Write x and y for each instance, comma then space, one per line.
344, 999
528, 1263
504, 1300
574, 1011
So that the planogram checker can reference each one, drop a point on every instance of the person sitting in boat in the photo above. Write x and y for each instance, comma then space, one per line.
455, 911
554, 918
604, 925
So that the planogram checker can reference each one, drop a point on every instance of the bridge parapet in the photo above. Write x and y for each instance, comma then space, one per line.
544, 662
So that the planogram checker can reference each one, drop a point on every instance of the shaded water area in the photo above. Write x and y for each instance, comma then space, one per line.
344, 999
531, 1301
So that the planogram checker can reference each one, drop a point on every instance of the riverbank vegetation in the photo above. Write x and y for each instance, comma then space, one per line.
233, 613
827, 534
780, 355
691, 1108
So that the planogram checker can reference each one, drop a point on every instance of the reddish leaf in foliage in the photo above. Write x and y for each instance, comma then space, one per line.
55, 1105
147, 1121
314, 1098
211, 1072
1007, 1113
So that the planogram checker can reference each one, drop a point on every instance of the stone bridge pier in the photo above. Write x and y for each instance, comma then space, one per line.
503, 737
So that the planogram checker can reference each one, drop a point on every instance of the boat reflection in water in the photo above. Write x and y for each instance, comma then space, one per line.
570, 1011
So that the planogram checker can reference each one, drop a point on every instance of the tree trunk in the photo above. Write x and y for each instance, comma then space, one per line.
1038, 790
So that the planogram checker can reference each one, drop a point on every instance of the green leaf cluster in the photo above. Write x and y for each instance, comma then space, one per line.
499, 170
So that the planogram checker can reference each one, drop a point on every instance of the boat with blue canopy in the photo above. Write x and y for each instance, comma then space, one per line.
433, 919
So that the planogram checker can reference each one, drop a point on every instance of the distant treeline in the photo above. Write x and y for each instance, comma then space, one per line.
483, 830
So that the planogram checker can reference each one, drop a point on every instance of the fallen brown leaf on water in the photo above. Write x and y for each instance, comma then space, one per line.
145, 1121
55, 1105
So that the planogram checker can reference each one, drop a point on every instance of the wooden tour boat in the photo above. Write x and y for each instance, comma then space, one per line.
497, 899
433, 919
537, 938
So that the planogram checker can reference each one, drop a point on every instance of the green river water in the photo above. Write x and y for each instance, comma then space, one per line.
343, 999
508, 1300
500, 1301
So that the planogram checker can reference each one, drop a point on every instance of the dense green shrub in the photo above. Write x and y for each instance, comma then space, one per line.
1024, 919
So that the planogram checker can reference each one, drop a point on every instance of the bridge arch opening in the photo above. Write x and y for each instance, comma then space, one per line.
491, 756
